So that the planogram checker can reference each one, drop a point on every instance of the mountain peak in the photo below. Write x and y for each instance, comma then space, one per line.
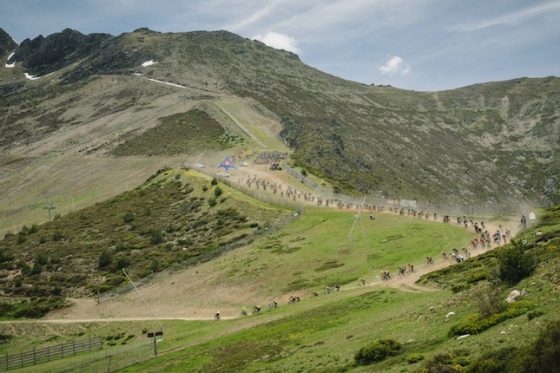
46, 54
7, 44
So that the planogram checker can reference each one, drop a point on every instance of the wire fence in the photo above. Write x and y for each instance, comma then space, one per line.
111, 360
50, 353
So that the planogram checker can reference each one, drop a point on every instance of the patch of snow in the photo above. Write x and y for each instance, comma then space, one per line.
10, 65
449, 314
167, 83
31, 77
149, 63
463, 336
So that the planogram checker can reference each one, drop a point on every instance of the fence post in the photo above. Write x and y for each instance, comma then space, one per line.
62, 349
73, 347
48, 353
21, 359
34, 357
89, 344
6, 360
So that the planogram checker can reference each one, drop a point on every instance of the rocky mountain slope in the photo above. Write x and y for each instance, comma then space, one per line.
486, 145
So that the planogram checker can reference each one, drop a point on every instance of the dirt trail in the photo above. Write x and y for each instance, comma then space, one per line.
196, 293
408, 282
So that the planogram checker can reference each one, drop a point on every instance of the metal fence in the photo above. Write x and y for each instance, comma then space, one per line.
45, 354
111, 360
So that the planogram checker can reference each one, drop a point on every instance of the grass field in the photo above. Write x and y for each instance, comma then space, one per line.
324, 333
316, 251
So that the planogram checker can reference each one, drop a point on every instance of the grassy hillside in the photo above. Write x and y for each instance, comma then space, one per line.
189, 132
316, 251
176, 217
485, 144
325, 335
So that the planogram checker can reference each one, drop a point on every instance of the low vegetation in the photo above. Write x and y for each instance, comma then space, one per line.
188, 132
377, 351
145, 230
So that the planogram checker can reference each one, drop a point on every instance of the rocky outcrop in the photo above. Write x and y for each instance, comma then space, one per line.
44, 55
7, 44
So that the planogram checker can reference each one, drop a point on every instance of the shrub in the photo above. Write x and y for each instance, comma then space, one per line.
122, 262
544, 355
489, 301
21, 237
474, 324
377, 351
41, 258
154, 267
37, 269
414, 358
533, 314
57, 236
494, 361
304, 172
445, 363
128, 217
212, 202
156, 237
105, 259
214, 181
514, 264
204, 188
218, 191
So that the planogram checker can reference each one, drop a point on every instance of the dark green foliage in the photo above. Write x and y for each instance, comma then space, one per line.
544, 356
166, 211
156, 237
446, 363
489, 301
514, 263
105, 259
534, 314
377, 351
122, 262
475, 324
34, 308
176, 134
128, 217
37, 268
214, 181
212, 202
154, 267
500, 361
41, 258
21, 238
218, 191
414, 358
204, 188
57, 236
